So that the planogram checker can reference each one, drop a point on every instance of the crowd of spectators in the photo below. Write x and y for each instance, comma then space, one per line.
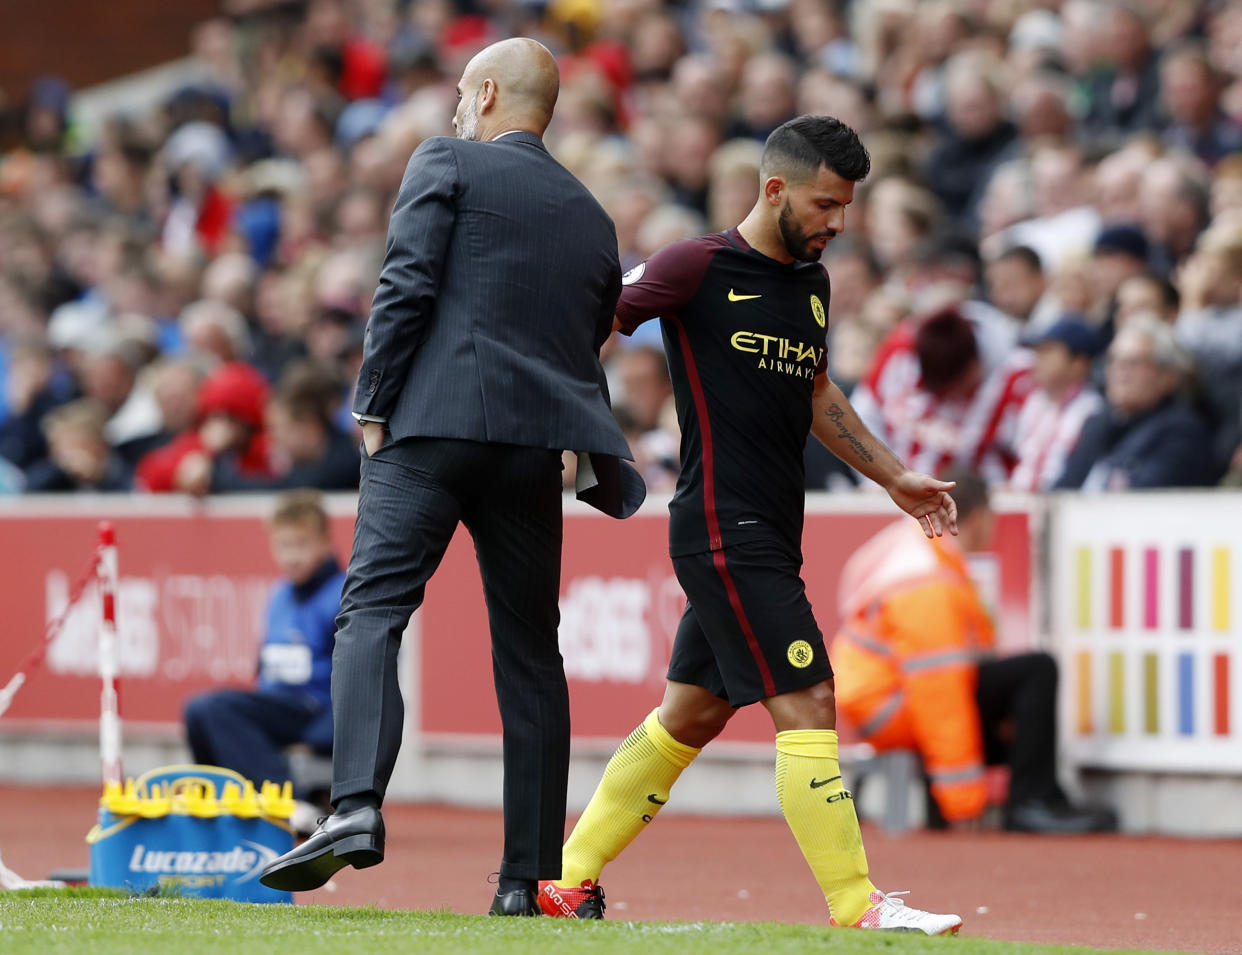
1041, 279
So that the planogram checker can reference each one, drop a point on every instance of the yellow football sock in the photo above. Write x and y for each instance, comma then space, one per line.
820, 812
636, 784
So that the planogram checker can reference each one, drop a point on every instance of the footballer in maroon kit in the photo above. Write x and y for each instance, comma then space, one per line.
743, 315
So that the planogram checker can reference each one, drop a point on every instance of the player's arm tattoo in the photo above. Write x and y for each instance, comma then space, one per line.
836, 414
845, 434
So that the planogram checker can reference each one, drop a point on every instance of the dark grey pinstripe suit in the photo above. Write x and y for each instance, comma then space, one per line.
498, 287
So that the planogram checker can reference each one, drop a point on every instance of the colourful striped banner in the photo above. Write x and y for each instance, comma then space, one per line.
1086, 725
1186, 694
1220, 677
1151, 693
1117, 693
1129, 672
1186, 588
1117, 588
1220, 589
1151, 588
1084, 588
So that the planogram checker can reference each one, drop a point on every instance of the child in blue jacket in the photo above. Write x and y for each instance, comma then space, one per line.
249, 730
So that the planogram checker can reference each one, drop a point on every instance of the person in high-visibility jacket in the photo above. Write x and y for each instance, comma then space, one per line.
916, 669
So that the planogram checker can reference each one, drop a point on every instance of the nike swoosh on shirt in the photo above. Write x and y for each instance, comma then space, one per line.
816, 783
734, 297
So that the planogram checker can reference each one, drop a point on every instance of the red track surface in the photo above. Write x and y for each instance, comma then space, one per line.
1113, 891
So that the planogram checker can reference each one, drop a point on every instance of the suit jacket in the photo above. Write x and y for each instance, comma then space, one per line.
335, 470
499, 285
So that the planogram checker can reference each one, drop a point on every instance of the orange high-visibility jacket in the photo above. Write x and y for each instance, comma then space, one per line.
906, 658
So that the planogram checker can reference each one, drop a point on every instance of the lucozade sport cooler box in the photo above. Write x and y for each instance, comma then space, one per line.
198, 831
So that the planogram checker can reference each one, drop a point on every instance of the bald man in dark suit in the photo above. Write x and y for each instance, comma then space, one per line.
481, 366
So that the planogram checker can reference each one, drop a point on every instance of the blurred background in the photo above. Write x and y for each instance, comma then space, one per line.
182, 188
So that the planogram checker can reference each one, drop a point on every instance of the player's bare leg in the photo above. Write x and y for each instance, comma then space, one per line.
692, 715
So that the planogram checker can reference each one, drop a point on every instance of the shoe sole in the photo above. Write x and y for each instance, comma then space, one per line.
906, 929
910, 930
310, 872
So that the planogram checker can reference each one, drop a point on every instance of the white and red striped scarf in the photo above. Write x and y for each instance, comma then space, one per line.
1046, 433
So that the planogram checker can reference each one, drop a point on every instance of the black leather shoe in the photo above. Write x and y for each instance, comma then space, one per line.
352, 838
1054, 818
517, 902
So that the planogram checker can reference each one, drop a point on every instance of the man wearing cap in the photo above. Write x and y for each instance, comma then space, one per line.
1054, 412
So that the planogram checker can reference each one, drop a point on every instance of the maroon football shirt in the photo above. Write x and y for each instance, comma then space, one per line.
745, 337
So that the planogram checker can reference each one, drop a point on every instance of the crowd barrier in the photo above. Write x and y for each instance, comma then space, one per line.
1134, 593
1142, 593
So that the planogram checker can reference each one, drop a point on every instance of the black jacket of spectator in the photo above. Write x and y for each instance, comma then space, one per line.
1118, 107
21, 435
1167, 446
47, 476
337, 470
135, 449
958, 168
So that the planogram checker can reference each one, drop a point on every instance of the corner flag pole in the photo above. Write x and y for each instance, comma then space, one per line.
109, 698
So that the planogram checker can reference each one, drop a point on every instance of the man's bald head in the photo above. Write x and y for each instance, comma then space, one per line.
512, 84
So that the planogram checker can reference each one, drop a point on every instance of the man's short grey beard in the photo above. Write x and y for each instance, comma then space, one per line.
468, 128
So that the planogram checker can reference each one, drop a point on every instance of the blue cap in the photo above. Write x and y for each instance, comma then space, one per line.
1076, 335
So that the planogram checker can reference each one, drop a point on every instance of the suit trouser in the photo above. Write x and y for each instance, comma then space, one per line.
413, 494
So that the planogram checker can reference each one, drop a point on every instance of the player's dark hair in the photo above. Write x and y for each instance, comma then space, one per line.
796, 149
945, 344
971, 492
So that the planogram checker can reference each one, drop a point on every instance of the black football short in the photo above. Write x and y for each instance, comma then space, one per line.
748, 632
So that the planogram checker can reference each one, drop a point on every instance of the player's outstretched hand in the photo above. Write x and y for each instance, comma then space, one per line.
927, 500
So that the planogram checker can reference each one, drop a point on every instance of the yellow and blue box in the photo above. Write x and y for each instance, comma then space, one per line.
199, 831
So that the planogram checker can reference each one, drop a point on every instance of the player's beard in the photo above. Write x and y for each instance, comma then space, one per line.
797, 242
468, 128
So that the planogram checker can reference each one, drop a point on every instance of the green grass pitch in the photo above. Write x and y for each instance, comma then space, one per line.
103, 922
